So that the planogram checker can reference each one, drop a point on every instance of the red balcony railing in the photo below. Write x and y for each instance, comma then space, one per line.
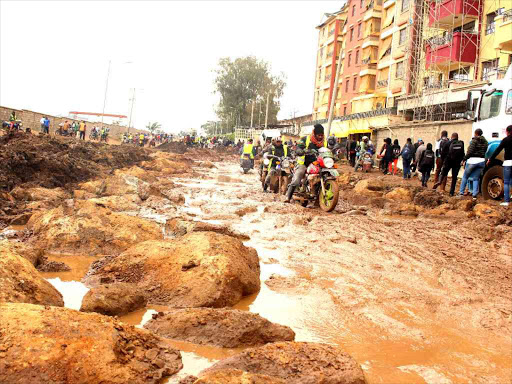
445, 12
452, 47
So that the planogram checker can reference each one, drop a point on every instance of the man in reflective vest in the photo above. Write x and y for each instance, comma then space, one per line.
279, 150
314, 141
248, 150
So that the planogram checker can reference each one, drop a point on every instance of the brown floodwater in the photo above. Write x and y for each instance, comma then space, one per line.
406, 312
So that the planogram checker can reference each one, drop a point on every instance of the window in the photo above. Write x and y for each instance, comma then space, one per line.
357, 57
351, 33
508, 106
354, 85
344, 111
402, 37
461, 74
362, 4
405, 5
354, 10
346, 85
490, 105
349, 59
488, 68
399, 70
490, 27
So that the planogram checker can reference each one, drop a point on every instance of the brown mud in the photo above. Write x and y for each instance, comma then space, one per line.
415, 289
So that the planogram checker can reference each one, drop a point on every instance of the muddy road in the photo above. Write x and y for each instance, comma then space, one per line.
414, 298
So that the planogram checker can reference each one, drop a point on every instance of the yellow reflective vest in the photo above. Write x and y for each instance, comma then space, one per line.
248, 150
301, 160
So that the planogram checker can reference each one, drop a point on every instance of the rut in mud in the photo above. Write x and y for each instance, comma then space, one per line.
415, 286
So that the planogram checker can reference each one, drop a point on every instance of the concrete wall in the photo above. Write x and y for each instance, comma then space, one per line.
31, 119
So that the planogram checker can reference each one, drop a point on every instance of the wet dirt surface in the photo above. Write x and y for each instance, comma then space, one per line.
412, 299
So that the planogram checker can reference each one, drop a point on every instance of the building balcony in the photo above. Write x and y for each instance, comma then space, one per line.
382, 83
445, 13
451, 48
372, 13
368, 69
374, 4
371, 40
503, 33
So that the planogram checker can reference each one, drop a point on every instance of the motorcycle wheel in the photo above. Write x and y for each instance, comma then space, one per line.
330, 199
246, 170
283, 184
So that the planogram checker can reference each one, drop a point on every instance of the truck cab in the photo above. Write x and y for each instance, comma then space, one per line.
490, 108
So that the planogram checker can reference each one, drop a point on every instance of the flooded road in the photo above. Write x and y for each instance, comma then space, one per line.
412, 300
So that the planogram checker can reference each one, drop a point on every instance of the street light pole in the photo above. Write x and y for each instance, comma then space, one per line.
266, 113
131, 111
106, 89
334, 95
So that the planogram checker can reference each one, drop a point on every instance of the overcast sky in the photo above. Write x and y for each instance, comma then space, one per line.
54, 55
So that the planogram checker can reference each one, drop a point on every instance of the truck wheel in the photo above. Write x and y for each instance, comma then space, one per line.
492, 183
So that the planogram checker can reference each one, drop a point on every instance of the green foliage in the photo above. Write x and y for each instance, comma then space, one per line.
153, 127
241, 82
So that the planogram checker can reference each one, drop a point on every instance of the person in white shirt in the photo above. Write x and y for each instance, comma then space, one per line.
42, 123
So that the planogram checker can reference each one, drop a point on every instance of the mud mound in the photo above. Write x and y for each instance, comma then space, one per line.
21, 283
173, 146
62, 346
296, 363
113, 299
51, 162
228, 328
232, 376
429, 198
200, 269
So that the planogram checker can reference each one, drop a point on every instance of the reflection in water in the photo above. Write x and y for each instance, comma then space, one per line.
72, 292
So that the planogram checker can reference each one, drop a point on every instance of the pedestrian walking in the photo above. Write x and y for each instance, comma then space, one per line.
439, 149
426, 163
393, 165
46, 125
506, 144
453, 154
407, 153
474, 163
82, 129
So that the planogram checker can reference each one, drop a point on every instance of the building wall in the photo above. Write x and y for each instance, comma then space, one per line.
31, 119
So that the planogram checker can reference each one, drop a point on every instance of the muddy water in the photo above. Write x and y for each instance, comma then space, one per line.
413, 301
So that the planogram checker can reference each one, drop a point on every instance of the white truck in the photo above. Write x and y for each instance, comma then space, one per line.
490, 109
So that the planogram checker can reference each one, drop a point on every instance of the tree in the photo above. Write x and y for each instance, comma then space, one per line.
242, 82
152, 127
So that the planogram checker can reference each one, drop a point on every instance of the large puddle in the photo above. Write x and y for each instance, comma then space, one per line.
318, 297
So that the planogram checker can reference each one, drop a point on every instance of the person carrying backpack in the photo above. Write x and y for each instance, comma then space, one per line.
439, 149
453, 153
406, 154
426, 164
393, 165
474, 162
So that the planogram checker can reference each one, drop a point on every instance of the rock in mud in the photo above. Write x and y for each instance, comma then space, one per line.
113, 299
429, 198
39, 194
41, 344
485, 210
200, 269
33, 255
89, 228
167, 166
53, 266
177, 227
232, 376
246, 210
295, 363
399, 194
21, 283
370, 187
124, 203
117, 185
228, 328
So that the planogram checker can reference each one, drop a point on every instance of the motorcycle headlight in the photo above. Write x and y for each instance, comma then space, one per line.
328, 162
266, 161
286, 163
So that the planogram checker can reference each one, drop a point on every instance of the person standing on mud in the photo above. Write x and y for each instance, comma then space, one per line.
279, 150
474, 163
46, 125
82, 128
393, 165
426, 163
314, 141
351, 152
388, 155
407, 153
439, 149
454, 154
42, 123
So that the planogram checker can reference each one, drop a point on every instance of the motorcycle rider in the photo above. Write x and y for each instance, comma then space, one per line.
314, 141
248, 149
279, 150
364, 146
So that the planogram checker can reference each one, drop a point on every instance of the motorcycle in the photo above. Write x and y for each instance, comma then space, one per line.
284, 174
104, 137
93, 135
320, 182
246, 162
365, 161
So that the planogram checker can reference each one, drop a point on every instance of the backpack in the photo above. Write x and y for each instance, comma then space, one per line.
456, 150
428, 160
406, 153
396, 152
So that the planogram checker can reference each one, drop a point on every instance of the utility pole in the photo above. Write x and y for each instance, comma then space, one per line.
106, 89
131, 111
259, 118
334, 96
266, 113
252, 112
